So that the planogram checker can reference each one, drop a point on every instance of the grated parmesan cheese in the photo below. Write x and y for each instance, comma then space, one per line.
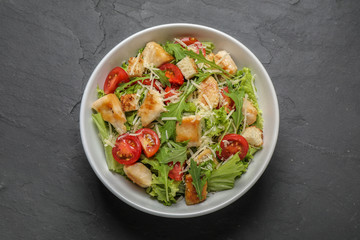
169, 119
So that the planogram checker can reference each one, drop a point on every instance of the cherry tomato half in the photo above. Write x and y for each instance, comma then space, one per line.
148, 82
149, 140
189, 40
127, 149
232, 144
173, 73
230, 103
176, 173
116, 76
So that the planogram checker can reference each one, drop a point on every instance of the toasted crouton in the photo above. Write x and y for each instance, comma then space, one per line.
189, 129
136, 67
250, 110
191, 196
187, 67
139, 174
210, 57
224, 60
209, 92
129, 102
151, 108
154, 55
254, 136
110, 109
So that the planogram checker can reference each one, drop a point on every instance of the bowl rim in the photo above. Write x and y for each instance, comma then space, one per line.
195, 213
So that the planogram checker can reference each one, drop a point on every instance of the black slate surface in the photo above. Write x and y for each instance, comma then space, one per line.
310, 190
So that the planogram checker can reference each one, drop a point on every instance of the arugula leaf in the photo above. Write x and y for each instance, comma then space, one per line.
169, 127
162, 78
224, 177
176, 50
163, 188
123, 86
237, 96
198, 181
175, 154
105, 133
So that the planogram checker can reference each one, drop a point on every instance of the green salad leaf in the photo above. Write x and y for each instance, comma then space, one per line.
176, 153
198, 180
224, 177
162, 187
100, 92
105, 133
176, 50
237, 96
164, 80
216, 124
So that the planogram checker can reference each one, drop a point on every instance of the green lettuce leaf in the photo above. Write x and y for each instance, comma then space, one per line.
175, 154
224, 177
237, 96
216, 122
162, 187
105, 133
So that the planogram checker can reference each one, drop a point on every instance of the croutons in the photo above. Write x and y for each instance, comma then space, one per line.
250, 110
151, 108
136, 67
110, 109
129, 102
187, 67
154, 55
224, 60
189, 129
254, 136
191, 196
209, 92
139, 174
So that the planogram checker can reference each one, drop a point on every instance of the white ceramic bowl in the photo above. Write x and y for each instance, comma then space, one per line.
129, 192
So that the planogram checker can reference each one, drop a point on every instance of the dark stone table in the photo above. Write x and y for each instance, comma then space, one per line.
310, 190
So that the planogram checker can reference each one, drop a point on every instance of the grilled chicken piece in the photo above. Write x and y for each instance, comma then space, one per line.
187, 67
250, 110
224, 60
209, 90
139, 174
110, 109
129, 102
151, 108
136, 67
154, 55
204, 155
191, 196
189, 129
254, 136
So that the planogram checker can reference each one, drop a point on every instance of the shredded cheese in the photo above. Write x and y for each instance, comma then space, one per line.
207, 100
157, 130
181, 42
166, 134
231, 112
169, 119
195, 84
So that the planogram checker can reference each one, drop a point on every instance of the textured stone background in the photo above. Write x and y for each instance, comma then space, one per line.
310, 190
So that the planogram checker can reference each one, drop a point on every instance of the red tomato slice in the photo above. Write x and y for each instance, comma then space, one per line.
148, 82
116, 76
189, 40
230, 103
169, 92
149, 140
232, 144
173, 73
127, 149
176, 173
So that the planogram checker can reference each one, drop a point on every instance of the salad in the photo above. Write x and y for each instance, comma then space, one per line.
179, 120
